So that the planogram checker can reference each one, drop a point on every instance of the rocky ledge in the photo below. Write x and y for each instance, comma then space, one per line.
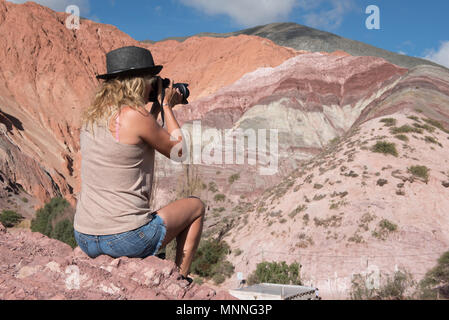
33, 266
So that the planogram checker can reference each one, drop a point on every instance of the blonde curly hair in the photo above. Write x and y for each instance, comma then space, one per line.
112, 95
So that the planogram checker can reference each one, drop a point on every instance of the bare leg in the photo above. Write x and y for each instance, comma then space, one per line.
184, 221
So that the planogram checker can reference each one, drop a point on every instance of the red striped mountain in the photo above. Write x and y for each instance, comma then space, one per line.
47, 77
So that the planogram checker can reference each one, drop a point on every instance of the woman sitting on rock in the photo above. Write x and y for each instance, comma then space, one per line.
118, 138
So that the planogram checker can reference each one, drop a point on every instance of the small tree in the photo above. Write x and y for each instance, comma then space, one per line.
276, 272
210, 260
436, 281
55, 220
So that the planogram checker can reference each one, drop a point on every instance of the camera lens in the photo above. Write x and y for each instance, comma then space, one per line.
182, 87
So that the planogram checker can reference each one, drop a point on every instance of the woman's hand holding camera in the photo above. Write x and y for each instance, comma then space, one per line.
172, 96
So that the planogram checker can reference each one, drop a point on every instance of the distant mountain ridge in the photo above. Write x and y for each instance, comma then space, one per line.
300, 37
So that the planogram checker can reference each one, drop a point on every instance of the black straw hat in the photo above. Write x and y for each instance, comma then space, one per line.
129, 61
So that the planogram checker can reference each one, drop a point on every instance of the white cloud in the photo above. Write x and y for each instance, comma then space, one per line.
61, 5
324, 14
440, 56
246, 12
330, 18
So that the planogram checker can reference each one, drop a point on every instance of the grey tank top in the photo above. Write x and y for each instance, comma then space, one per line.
116, 183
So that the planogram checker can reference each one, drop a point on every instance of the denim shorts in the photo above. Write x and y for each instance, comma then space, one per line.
138, 243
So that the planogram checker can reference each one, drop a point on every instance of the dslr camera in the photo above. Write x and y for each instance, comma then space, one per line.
182, 87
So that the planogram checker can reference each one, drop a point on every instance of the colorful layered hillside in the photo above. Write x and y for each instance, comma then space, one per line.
48, 77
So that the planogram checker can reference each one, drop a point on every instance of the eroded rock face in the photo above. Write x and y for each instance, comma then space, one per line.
33, 266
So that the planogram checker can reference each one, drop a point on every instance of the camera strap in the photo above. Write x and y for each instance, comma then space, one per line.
162, 109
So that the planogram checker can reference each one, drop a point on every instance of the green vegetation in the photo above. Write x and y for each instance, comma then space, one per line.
234, 178
333, 221
219, 197
336, 205
402, 137
420, 172
213, 187
401, 286
432, 140
436, 124
356, 238
276, 272
394, 287
414, 118
210, 261
435, 283
317, 186
387, 225
10, 218
389, 122
405, 129
334, 141
24, 199
55, 220
425, 127
305, 241
385, 148
384, 228
319, 197
297, 210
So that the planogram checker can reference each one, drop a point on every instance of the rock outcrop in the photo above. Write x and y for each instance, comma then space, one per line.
34, 267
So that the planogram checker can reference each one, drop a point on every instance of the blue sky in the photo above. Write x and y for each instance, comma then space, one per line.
414, 27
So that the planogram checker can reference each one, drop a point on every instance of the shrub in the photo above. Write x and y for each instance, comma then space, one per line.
213, 187
55, 220
10, 218
218, 278
402, 137
319, 197
405, 129
210, 259
384, 228
297, 210
395, 287
234, 178
276, 272
424, 126
389, 122
432, 140
385, 148
219, 197
435, 123
306, 218
414, 118
436, 281
420, 171
333, 221
388, 225
24, 199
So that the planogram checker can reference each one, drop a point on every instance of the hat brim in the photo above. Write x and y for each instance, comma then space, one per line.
142, 71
